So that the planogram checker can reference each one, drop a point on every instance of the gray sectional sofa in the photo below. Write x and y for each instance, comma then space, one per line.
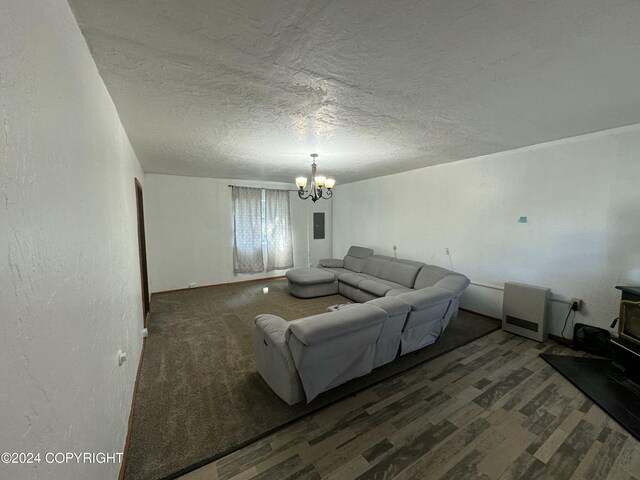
404, 306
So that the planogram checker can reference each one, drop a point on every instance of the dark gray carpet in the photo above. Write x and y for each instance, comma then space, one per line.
199, 395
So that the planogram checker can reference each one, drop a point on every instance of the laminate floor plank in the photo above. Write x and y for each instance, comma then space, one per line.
490, 410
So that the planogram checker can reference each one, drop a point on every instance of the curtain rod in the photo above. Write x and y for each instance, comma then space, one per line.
265, 188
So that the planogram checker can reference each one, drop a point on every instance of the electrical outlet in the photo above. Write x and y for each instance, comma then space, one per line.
576, 304
122, 357
446, 251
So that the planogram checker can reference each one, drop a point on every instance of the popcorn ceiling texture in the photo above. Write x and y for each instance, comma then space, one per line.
248, 89
69, 284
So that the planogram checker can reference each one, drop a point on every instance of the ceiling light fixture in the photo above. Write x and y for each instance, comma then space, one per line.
315, 191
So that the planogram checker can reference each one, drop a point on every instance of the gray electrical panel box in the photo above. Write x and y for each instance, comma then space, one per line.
318, 225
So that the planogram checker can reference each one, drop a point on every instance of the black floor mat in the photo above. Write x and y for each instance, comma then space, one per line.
603, 383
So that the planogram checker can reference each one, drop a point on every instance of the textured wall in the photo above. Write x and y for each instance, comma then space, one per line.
581, 197
69, 275
190, 231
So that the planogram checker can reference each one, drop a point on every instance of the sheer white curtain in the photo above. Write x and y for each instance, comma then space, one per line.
278, 222
247, 230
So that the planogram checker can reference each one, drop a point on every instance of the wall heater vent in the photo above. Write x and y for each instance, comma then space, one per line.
524, 310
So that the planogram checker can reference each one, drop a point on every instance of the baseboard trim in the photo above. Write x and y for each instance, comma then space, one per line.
255, 280
125, 450
480, 314
561, 340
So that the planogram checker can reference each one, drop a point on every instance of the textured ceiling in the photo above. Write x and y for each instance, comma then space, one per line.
248, 89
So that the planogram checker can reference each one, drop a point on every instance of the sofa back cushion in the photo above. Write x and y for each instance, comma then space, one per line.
454, 283
359, 252
377, 265
403, 272
429, 275
326, 327
354, 260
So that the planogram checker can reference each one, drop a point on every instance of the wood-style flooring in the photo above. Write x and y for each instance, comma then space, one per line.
489, 410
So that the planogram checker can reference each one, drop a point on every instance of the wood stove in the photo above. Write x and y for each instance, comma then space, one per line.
626, 348
613, 385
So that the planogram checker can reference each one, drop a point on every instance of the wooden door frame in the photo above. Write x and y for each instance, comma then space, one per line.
142, 252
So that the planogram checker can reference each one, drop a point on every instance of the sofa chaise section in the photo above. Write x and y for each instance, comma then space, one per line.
311, 282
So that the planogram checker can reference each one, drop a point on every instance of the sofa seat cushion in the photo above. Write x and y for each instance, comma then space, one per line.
336, 270
352, 279
365, 276
309, 276
381, 280
331, 262
394, 292
374, 286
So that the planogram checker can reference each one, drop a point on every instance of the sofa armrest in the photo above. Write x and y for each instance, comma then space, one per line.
273, 330
331, 262
274, 361
426, 297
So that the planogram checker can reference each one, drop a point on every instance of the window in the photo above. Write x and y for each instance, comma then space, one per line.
247, 230
262, 227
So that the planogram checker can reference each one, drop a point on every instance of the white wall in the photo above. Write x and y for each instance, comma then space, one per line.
69, 277
189, 226
582, 199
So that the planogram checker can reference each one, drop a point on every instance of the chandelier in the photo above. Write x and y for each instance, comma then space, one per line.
315, 191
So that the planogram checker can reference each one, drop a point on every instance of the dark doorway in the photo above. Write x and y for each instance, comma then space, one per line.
142, 247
